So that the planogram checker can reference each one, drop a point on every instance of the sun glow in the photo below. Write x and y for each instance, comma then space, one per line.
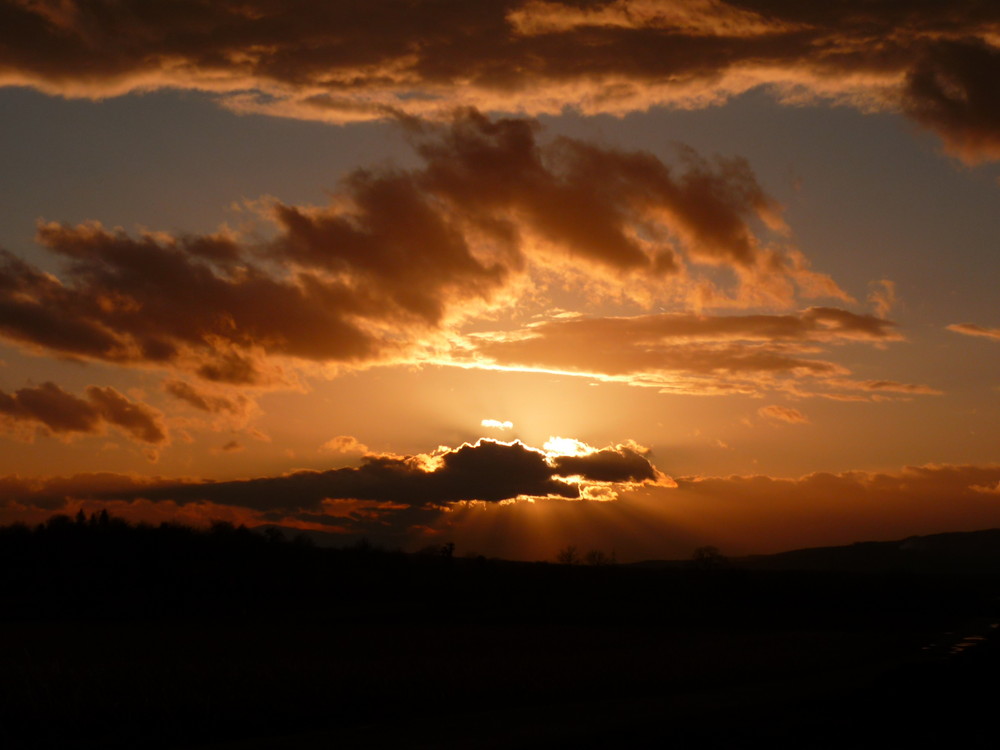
497, 424
560, 446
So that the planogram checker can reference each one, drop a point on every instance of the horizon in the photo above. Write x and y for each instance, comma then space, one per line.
631, 275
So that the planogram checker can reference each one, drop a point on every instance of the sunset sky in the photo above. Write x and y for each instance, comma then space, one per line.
639, 275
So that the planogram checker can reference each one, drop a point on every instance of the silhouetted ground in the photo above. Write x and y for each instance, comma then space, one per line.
115, 636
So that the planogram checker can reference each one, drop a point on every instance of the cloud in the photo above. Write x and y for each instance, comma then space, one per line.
936, 62
971, 329
778, 413
487, 471
687, 353
208, 402
54, 410
953, 90
619, 464
401, 256
344, 444
889, 386
987, 489
883, 297
496, 424
694, 17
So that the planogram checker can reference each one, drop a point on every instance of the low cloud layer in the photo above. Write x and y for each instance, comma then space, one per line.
939, 63
739, 514
55, 411
488, 471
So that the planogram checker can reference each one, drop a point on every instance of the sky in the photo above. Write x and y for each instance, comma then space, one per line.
638, 276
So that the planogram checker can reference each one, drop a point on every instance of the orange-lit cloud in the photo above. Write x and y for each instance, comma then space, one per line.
936, 62
824, 508
684, 17
883, 297
887, 386
697, 354
786, 414
344, 444
202, 400
971, 329
55, 411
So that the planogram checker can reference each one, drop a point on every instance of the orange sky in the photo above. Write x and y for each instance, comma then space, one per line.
638, 275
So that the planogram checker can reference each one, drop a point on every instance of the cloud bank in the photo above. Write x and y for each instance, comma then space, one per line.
739, 514
936, 62
488, 471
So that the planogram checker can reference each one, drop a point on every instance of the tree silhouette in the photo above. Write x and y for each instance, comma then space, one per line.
709, 558
568, 555
598, 557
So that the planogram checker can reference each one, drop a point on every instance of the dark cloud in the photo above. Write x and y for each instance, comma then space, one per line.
50, 407
620, 464
935, 61
955, 91
208, 402
488, 471
137, 419
587, 200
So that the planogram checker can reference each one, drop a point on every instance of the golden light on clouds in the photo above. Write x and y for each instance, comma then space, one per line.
560, 446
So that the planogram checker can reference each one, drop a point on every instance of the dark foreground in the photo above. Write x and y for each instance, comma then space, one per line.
113, 636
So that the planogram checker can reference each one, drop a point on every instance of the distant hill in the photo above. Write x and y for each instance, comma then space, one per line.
969, 552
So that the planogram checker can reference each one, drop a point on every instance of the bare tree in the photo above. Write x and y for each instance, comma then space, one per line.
597, 557
568, 555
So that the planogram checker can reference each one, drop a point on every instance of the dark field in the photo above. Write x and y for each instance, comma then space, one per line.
115, 636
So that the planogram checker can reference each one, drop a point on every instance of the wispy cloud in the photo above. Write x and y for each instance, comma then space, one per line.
777, 413
696, 354
971, 329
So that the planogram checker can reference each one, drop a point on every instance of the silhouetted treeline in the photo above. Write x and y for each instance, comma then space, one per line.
103, 567
120, 636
